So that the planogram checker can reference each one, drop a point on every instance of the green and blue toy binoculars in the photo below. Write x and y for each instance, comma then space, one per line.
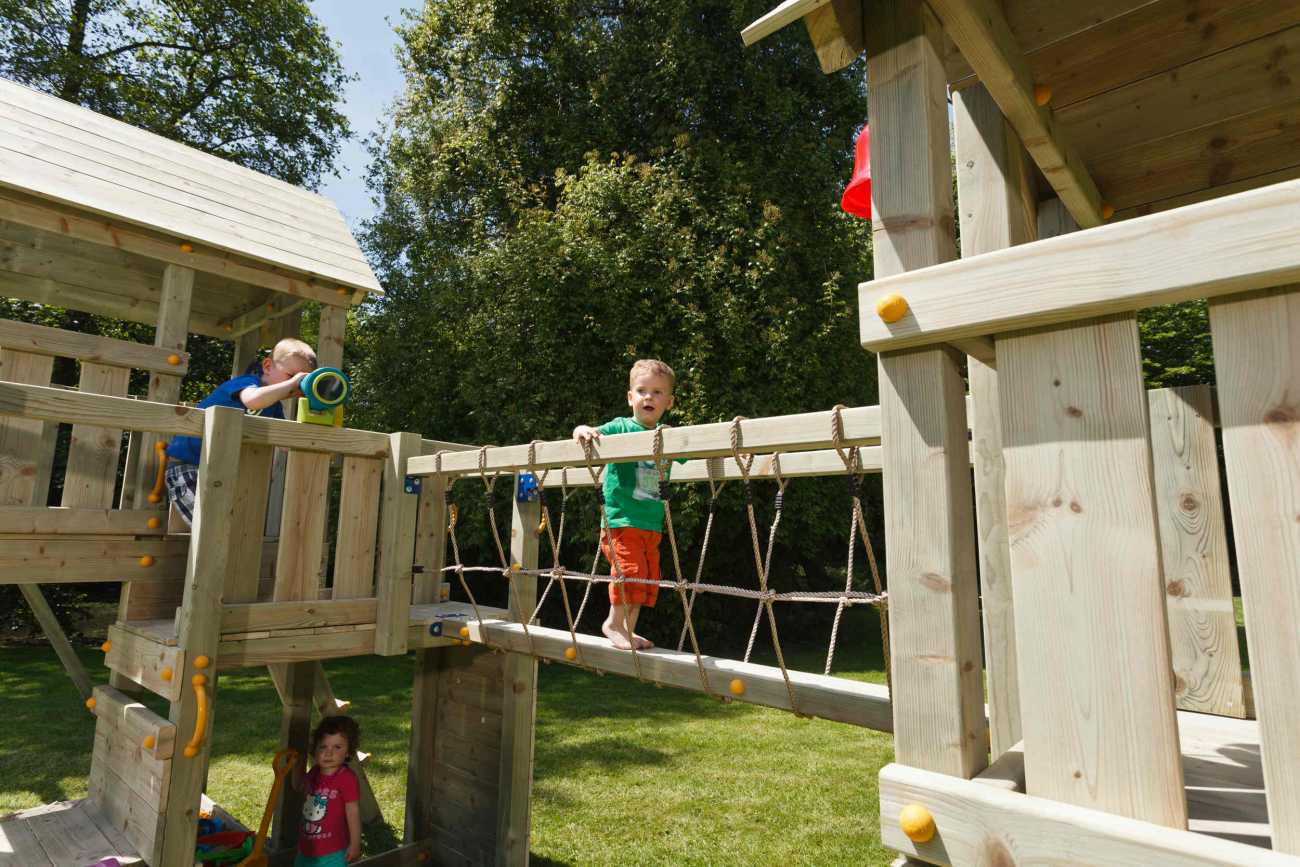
325, 390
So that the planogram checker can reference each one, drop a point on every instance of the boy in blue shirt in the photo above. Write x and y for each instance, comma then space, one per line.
633, 509
258, 391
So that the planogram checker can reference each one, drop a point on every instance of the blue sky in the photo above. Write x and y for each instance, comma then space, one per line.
364, 32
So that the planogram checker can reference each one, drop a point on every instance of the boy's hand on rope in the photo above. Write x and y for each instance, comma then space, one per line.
585, 434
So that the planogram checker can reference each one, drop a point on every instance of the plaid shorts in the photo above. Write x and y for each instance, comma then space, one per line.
182, 485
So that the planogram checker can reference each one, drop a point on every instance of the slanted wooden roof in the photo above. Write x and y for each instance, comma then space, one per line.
1151, 103
105, 205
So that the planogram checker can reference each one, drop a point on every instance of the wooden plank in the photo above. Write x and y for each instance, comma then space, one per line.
393, 570
69, 837
354, 553
1085, 566
938, 716
277, 649
143, 774
19, 846
1231, 244
836, 33
42, 340
1194, 550
26, 446
65, 561
295, 730
252, 489
980, 29
42, 521
787, 13
134, 721
1258, 364
126, 852
94, 451
126, 811
421, 784
270, 616
1252, 183
832, 698
302, 527
997, 209
1245, 78
332, 332
157, 667
787, 433
431, 540
58, 640
979, 824
199, 623
519, 697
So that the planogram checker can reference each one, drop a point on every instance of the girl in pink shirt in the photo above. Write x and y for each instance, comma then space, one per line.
330, 835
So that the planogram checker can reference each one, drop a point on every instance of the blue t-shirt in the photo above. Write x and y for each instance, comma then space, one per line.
186, 449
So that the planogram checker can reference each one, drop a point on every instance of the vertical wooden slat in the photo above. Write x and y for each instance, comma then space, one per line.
329, 344
302, 527
251, 492
94, 451
421, 782
26, 445
1257, 358
354, 554
1194, 547
996, 210
938, 703
430, 540
1093, 649
199, 626
393, 569
519, 705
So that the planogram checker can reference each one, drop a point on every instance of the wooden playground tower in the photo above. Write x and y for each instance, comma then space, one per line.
1086, 571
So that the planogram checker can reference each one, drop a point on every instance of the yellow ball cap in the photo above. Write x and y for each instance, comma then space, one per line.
90, 704
464, 632
202, 662
153, 523
892, 307
917, 823
165, 674
173, 359
570, 653
1107, 211
149, 742
106, 646
737, 686
146, 561
1042, 94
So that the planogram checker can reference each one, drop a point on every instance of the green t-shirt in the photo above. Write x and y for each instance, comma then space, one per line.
632, 489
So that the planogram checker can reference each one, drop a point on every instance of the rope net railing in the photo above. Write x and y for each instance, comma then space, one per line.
552, 528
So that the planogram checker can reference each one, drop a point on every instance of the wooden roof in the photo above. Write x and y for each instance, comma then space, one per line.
1162, 102
67, 171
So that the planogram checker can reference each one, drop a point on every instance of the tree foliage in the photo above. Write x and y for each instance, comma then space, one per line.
254, 81
569, 186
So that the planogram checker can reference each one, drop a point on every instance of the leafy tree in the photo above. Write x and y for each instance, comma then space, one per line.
569, 186
254, 81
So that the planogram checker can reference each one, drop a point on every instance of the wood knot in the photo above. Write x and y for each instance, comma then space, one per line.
996, 854
1056, 383
1180, 685
1075, 507
1281, 415
1074, 412
1078, 775
937, 583
1177, 589
1056, 502
1188, 503
968, 666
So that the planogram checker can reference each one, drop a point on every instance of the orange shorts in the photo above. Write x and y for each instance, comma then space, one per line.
637, 553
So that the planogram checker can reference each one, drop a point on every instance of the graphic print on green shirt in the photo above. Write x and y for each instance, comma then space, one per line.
632, 489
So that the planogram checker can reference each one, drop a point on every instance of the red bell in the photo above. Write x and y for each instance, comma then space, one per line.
857, 195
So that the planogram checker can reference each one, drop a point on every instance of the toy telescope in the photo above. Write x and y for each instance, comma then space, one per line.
324, 390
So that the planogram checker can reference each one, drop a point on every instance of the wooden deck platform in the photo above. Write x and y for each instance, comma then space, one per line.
62, 834
1224, 778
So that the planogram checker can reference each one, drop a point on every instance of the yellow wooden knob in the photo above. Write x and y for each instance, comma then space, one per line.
173, 359
1107, 210
1042, 94
187, 247
148, 742
106, 646
146, 561
917, 823
570, 653
342, 290
202, 662
515, 567
464, 632
166, 674
228, 327
90, 704
737, 686
153, 523
891, 307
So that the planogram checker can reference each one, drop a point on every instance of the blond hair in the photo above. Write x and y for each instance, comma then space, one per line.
291, 347
651, 367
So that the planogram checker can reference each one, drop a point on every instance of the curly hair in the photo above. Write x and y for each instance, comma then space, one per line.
338, 725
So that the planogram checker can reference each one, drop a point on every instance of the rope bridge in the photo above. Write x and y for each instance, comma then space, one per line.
686, 590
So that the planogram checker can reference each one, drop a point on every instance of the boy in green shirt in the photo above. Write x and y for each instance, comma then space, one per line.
634, 511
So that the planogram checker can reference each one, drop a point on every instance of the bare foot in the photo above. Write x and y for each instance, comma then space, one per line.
642, 643
616, 638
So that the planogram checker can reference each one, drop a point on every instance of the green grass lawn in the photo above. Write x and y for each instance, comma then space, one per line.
626, 773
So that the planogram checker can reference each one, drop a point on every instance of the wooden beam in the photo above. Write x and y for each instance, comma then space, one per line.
982, 824
271, 616
135, 720
26, 446
58, 640
831, 698
979, 27
1227, 245
836, 33
93, 451
157, 667
1257, 356
938, 708
787, 13
396, 548
803, 432
42, 340
68, 561
259, 314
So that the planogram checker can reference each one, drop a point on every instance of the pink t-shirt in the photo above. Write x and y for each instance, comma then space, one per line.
324, 820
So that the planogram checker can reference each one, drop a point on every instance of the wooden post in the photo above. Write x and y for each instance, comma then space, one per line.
1194, 547
1257, 356
199, 625
519, 705
393, 571
1096, 684
997, 210
938, 702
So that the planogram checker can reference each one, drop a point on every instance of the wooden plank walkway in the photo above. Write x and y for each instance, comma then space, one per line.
62, 834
